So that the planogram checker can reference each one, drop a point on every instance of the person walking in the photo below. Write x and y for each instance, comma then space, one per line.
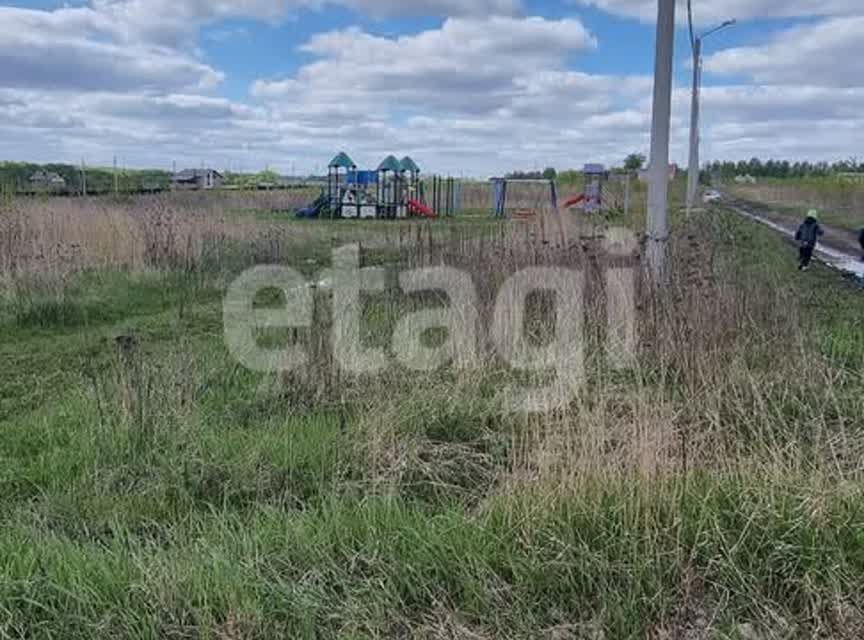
807, 237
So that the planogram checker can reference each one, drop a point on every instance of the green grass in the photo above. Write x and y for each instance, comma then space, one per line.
838, 201
832, 307
164, 491
379, 568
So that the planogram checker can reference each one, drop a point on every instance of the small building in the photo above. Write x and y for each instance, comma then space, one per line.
49, 180
198, 179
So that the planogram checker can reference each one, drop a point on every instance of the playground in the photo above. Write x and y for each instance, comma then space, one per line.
393, 191
398, 190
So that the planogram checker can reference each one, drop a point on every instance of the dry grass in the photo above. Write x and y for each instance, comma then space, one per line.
840, 202
65, 235
714, 353
706, 490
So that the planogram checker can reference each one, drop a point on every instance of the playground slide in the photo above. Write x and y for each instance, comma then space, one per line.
574, 201
313, 210
420, 209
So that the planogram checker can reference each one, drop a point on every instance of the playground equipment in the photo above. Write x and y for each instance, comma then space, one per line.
337, 180
420, 209
595, 176
356, 200
523, 199
531, 202
392, 191
445, 195
593, 198
315, 209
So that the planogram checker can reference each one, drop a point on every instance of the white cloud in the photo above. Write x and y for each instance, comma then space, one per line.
485, 92
434, 7
793, 122
151, 44
468, 66
175, 22
746, 103
825, 53
707, 11
81, 49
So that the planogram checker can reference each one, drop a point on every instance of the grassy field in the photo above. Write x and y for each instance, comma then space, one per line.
151, 487
840, 202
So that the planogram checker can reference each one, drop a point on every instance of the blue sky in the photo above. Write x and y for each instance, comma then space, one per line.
468, 86
247, 50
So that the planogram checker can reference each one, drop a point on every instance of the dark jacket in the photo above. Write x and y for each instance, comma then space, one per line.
861, 238
809, 233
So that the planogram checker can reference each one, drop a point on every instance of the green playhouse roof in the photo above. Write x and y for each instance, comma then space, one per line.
390, 163
342, 161
409, 165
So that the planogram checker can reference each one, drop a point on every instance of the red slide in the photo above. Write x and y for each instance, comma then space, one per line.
420, 209
574, 201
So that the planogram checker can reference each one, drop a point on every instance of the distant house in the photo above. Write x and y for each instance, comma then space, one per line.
851, 176
198, 179
746, 179
47, 180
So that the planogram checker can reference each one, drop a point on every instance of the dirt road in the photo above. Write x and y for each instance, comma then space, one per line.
838, 250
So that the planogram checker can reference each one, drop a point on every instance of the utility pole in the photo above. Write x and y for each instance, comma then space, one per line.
627, 196
695, 107
83, 178
115, 176
658, 186
693, 168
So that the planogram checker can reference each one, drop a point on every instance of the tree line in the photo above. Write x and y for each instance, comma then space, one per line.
783, 168
755, 167
19, 177
549, 173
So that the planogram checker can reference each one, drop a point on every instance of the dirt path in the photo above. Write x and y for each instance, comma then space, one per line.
839, 249
844, 240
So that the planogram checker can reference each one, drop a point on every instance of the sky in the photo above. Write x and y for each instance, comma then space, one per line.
466, 87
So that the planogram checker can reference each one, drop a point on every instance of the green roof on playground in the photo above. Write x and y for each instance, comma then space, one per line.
390, 163
408, 164
342, 161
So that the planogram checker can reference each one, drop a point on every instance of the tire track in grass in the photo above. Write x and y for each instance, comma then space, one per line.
833, 258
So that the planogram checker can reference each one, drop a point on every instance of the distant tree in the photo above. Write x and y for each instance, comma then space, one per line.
268, 176
570, 177
524, 175
634, 162
550, 173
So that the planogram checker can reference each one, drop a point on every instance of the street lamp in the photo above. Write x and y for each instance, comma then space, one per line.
696, 44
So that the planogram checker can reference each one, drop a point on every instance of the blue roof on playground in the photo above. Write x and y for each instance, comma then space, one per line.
408, 164
390, 163
342, 161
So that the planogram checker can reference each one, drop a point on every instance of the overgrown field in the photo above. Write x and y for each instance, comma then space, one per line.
839, 201
152, 487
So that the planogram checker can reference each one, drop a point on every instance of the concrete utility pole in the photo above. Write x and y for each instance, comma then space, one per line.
693, 168
695, 110
658, 186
